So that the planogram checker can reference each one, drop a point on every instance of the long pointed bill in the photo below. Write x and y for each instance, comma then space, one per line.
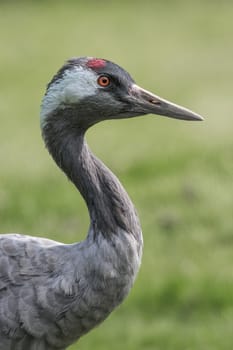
150, 103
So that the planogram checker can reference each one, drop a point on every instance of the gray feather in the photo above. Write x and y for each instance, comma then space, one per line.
51, 294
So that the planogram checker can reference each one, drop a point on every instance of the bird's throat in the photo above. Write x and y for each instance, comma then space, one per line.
109, 205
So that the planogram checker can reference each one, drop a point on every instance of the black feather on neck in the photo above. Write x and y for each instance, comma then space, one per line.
109, 205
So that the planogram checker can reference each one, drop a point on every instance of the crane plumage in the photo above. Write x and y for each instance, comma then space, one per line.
53, 293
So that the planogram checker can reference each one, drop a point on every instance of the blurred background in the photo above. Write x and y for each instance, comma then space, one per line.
179, 174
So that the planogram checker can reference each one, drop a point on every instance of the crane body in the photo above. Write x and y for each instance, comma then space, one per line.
53, 293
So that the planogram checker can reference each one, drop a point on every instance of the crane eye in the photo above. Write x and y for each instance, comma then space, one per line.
103, 81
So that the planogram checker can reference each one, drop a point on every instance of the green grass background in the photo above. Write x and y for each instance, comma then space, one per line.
179, 174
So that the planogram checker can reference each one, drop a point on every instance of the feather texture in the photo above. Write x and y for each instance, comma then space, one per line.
51, 293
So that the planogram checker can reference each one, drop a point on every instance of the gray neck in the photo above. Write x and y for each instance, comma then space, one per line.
109, 205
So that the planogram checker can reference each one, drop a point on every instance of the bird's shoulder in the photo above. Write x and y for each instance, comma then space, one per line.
22, 256
35, 286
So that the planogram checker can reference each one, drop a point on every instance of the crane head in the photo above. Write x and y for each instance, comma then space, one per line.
94, 89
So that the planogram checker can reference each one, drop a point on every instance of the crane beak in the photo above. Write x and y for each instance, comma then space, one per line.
146, 103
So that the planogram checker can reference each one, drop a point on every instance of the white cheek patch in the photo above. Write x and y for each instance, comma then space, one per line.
74, 85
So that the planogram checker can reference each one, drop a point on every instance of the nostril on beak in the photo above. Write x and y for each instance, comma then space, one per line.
155, 102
